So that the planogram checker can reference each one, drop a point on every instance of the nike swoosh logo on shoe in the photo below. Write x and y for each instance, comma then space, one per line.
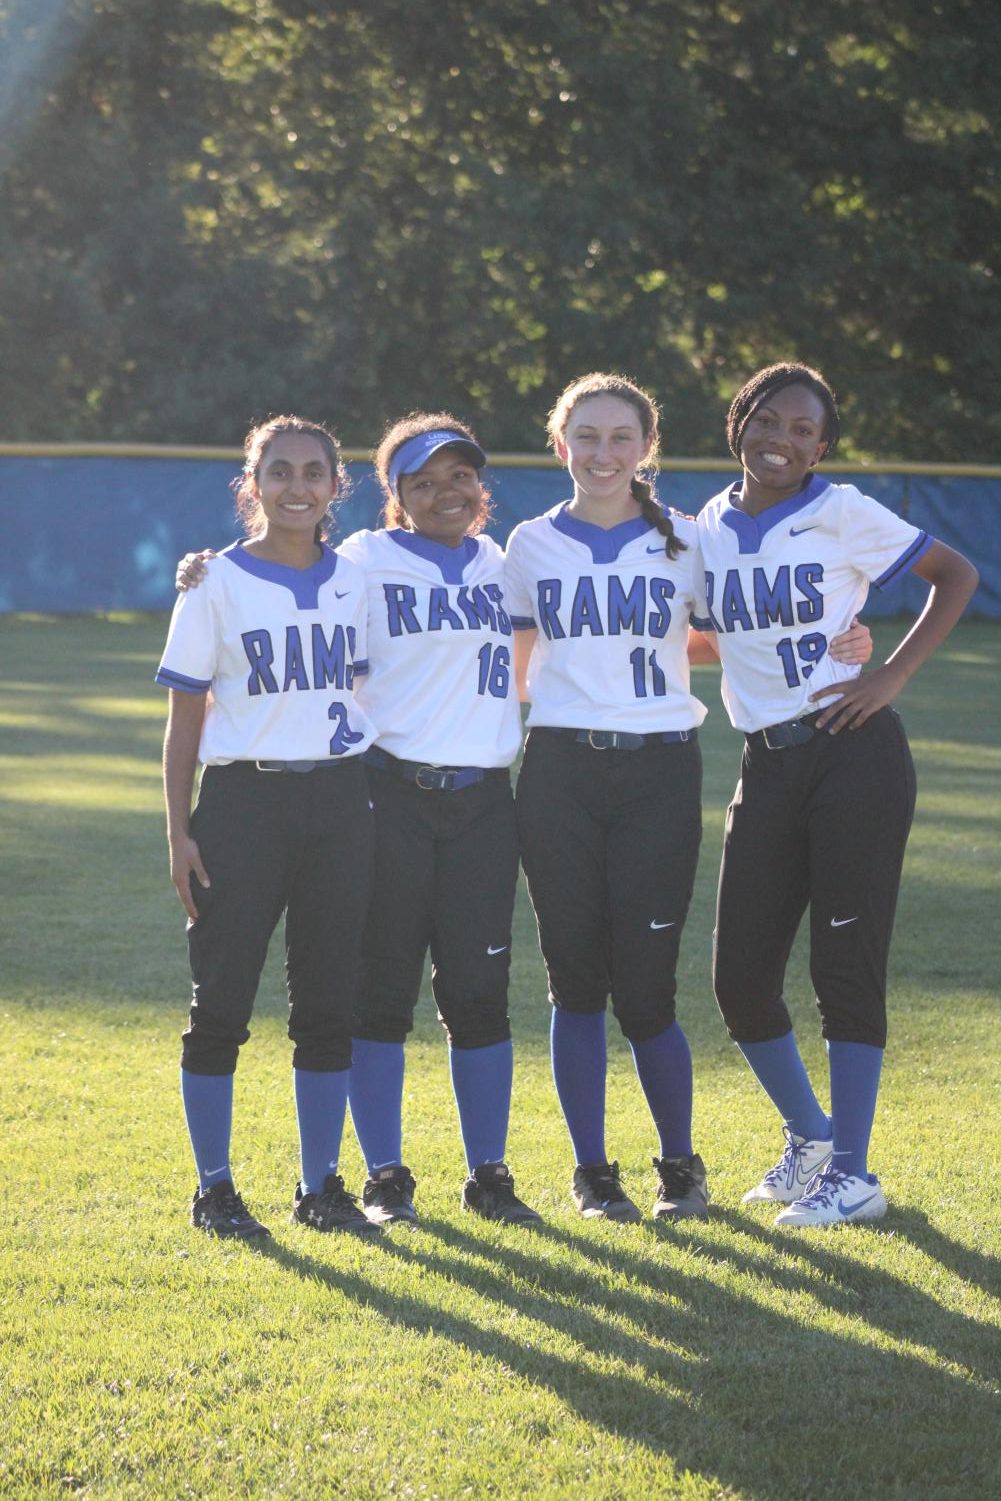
859, 1204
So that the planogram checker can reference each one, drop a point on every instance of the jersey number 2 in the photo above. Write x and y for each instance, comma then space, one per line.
344, 737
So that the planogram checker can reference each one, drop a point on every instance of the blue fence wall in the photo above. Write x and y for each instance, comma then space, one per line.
82, 534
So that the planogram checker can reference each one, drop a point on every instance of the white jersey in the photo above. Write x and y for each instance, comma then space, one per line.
612, 611
779, 586
440, 686
279, 649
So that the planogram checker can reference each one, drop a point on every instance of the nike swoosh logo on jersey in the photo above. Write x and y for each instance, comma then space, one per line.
858, 1204
842, 922
658, 548
491, 950
797, 531
657, 925
341, 593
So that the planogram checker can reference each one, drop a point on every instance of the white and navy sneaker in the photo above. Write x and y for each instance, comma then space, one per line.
836, 1198
799, 1164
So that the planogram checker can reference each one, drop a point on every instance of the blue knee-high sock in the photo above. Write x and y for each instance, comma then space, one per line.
855, 1069
664, 1066
580, 1062
481, 1080
208, 1110
781, 1073
375, 1094
320, 1102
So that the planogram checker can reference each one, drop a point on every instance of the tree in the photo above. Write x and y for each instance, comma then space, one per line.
224, 207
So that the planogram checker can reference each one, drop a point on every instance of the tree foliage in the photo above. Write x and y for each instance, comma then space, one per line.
217, 208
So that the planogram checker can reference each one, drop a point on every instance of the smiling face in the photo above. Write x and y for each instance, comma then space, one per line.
294, 484
783, 438
444, 500
603, 445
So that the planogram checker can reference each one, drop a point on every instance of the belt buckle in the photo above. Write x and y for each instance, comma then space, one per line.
438, 778
790, 733
605, 740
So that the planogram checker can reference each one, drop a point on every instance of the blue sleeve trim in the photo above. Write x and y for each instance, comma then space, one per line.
168, 679
702, 622
523, 623
360, 668
906, 561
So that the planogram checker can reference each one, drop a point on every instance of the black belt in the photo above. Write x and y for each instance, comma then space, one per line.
297, 766
430, 778
624, 739
789, 733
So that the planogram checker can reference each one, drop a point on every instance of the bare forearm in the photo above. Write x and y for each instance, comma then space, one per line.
703, 648
180, 759
953, 579
523, 644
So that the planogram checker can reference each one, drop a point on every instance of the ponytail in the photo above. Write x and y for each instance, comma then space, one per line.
652, 513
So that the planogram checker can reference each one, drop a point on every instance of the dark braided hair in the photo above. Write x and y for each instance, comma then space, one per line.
394, 512
766, 383
599, 384
255, 447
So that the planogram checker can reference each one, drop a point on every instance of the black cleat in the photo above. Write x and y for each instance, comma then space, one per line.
682, 1192
388, 1197
598, 1193
221, 1211
333, 1209
489, 1192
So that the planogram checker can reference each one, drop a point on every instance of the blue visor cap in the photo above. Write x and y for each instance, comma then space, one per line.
415, 452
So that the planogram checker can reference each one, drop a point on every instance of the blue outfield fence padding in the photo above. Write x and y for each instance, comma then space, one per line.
95, 532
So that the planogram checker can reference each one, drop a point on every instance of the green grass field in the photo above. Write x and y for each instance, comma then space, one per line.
141, 1359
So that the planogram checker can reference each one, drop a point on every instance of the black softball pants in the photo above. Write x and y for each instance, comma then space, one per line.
823, 824
274, 842
446, 871
610, 844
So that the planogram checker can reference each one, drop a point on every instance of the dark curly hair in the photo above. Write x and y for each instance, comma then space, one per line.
394, 512
598, 383
766, 383
255, 447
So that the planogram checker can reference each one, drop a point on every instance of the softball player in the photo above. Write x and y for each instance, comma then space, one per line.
260, 663
824, 803
441, 690
600, 591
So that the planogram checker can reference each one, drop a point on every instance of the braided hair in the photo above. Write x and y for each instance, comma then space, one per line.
767, 383
642, 483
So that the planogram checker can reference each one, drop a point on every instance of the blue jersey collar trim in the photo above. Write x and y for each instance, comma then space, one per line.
451, 562
303, 584
603, 545
752, 530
